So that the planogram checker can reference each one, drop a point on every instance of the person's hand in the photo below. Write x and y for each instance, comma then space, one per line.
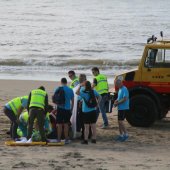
115, 103
17, 121
82, 84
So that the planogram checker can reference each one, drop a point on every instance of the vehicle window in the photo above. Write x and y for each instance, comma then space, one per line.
158, 58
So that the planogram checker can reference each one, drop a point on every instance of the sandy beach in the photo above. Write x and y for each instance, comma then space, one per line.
147, 148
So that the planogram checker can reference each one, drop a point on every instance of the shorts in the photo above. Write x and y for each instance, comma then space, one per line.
63, 116
122, 114
89, 117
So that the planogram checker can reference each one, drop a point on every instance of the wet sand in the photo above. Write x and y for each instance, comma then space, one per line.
147, 148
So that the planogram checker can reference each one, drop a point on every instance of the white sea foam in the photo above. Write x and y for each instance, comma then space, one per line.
52, 37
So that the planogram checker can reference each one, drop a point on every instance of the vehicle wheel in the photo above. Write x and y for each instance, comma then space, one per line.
143, 111
164, 112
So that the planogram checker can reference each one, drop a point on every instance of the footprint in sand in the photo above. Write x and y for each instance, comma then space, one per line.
24, 165
73, 155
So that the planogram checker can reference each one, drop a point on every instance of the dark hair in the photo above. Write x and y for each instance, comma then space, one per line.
95, 69
71, 72
64, 80
88, 86
50, 108
42, 88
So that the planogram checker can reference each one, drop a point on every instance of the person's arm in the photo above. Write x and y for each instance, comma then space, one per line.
120, 101
46, 104
99, 99
98, 96
78, 90
72, 103
28, 104
19, 113
117, 102
94, 83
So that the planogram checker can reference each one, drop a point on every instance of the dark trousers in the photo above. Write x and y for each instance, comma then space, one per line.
80, 122
40, 115
14, 125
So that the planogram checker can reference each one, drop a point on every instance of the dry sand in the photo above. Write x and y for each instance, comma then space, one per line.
147, 148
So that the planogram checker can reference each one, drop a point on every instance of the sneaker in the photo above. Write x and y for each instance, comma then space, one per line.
125, 137
8, 132
67, 141
17, 139
23, 139
118, 138
84, 142
29, 141
93, 141
52, 140
58, 141
104, 127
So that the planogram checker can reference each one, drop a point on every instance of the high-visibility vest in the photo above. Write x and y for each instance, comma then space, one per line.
19, 132
38, 98
15, 104
24, 98
102, 84
72, 83
24, 118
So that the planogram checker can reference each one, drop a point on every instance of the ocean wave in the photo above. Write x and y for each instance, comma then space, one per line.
101, 62
12, 62
68, 62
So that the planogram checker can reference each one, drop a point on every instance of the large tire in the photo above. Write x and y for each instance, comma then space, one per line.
143, 112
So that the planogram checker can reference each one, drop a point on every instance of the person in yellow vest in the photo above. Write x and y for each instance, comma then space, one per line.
100, 84
13, 110
23, 122
37, 108
74, 78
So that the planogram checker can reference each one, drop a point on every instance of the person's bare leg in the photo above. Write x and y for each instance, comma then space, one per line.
93, 128
59, 130
120, 127
66, 130
86, 132
123, 128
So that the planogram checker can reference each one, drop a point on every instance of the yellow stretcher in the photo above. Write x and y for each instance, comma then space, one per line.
13, 143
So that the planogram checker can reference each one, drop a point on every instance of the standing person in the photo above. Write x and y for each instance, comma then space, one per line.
89, 110
64, 100
37, 108
100, 84
74, 78
122, 103
13, 110
80, 123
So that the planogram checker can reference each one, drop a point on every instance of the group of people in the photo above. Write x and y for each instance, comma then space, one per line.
33, 118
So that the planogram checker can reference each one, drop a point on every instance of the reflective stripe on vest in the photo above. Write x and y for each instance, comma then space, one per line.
72, 83
15, 105
102, 84
38, 98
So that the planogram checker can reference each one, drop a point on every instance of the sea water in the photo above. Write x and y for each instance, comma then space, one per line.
44, 39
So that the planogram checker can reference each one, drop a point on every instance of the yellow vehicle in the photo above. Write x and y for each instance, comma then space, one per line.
149, 85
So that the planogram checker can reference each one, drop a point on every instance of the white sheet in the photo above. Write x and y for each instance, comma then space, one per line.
74, 112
